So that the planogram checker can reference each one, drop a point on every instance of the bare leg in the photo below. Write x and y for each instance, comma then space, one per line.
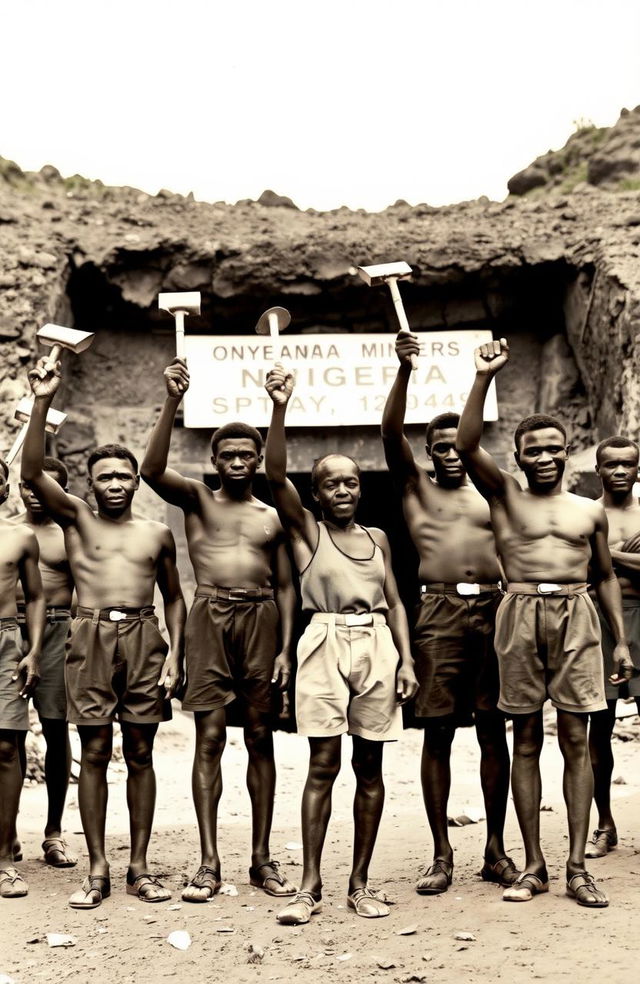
97, 742
526, 784
601, 754
22, 758
367, 806
137, 748
494, 778
207, 780
324, 766
261, 782
10, 789
57, 769
436, 782
577, 783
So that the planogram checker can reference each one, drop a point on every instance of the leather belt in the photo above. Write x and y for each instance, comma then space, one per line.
546, 588
463, 588
350, 618
123, 614
52, 614
234, 594
8, 622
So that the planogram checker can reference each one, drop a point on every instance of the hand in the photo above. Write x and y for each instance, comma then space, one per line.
406, 683
622, 665
491, 357
279, 384
44, 378
281, 671
28, 666
407, 345
176, 377
171, 675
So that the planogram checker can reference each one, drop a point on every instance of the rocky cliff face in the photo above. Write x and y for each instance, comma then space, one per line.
558, 273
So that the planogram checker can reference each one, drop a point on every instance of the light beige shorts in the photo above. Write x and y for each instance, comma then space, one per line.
346, 681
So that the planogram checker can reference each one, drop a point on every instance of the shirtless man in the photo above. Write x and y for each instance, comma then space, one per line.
235, 648
617, 466
456, 664
116, 658
49, 698
354, 660
18, 676
547, 632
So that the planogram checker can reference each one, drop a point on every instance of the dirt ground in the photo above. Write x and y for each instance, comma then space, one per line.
549, 939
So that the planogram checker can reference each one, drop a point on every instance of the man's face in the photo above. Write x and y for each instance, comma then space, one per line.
618, 469
29, 498
446, 460
236, 461
338, 489
114, 483
542, 456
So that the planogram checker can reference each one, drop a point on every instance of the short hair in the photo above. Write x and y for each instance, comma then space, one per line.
112, 451
443, 420
58, 468
235, 429
318, 462
617, 441
5, 467
537, 421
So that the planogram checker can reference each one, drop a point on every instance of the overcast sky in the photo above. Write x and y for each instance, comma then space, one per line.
333, 103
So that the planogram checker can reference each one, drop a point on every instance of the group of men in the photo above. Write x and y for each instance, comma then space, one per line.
505, 621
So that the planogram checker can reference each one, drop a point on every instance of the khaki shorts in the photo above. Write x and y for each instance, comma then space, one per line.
455, 661
113, 667
346, 681
50, 698
631, 615
549, 646
14, 709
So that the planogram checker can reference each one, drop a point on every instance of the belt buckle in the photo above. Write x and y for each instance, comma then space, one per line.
116, 616
464, 588
358, 618
546, 588
238, 594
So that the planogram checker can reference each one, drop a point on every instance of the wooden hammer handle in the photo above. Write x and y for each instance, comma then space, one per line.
402, 317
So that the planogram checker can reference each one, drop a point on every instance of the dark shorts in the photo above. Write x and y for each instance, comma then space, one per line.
230, 647
549, 646
113, 667
50, 698
455, 661
14, 709
631, 614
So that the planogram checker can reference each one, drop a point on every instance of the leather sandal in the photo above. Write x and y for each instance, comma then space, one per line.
148, 889
526, 886
57, 853
367, 903
94, 889
502, 872
299, 910
12, 884
203, 886
603, 841
436, 879
584, 890
267, 877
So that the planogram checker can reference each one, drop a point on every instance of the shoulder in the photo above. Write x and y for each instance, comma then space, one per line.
592, 507
378, 536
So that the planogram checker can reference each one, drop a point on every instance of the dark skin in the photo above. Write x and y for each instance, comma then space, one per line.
115, 561
57, 583
543, 534
450, 525
618, 471
234, 540
19, 556
337, 492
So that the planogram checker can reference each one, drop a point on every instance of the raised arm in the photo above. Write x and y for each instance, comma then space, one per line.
406, 682
286, 602
481, 467
175, 614
609, 596
298, 522
29, 574
397, 450
44, 380
169, 484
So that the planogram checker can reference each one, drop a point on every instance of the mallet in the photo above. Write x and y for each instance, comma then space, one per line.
179, 305
273, 321
59, 337
391, 273
55, 420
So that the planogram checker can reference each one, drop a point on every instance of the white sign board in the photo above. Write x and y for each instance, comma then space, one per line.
341, 380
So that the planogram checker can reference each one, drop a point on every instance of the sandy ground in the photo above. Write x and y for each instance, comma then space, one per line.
549, 939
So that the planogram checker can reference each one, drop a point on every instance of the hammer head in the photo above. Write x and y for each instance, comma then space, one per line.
69, 338
186, 300
55, 418
382, 272
280, 314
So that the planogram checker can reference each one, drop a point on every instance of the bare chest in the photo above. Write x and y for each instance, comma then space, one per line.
623, 523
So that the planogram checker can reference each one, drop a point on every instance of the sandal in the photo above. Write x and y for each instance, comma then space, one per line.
583, 889
299, 910
502, 872
12, 884
94, 889
148, 889
603, 841
367, 903
436, 879
203, 886
526, 886
267, 877
57, 854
